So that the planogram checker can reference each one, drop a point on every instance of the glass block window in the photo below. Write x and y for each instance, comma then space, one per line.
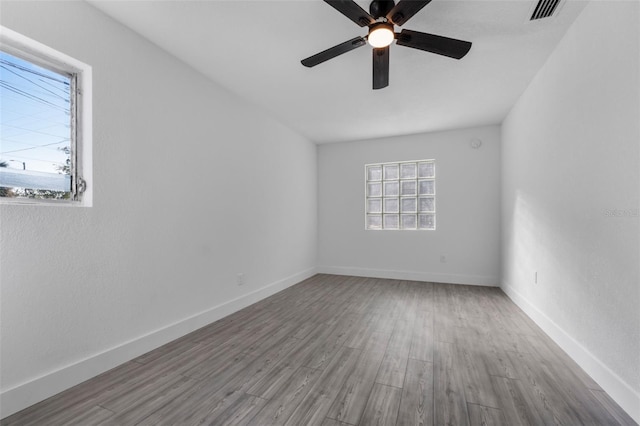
401, 196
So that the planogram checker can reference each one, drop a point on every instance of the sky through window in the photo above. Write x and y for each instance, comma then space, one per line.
35, 115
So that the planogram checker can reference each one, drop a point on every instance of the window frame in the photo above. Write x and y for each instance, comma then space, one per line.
80, 75
400, 197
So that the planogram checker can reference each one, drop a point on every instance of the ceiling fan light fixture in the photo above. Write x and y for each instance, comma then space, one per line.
381, 35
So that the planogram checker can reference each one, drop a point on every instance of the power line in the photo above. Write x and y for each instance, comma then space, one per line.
34, 131
36, 116
31, 94
35, 147
20, 67
27, 95
34, 83
35, 91
44, 146
64, 90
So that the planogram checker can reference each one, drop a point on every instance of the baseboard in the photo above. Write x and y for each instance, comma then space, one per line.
618, 389
36, 390
481, 280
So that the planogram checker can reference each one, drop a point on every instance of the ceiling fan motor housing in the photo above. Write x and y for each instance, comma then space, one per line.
380, 8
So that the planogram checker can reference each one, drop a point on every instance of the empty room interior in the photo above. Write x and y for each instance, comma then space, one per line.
272, 214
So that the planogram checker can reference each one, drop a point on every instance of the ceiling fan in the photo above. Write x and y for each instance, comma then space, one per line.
384, 14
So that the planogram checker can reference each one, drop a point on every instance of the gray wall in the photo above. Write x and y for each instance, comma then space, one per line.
467, 210
571, 194
190, 184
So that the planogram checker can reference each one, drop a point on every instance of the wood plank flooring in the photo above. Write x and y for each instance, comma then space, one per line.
336, 350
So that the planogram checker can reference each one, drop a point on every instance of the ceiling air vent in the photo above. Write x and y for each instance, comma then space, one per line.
544, 9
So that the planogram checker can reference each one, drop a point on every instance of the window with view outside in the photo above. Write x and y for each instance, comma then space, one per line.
400, 195
36, 130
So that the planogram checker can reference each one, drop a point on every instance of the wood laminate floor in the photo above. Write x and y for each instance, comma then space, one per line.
337, 350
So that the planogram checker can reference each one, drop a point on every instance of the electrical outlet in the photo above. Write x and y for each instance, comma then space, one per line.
240, 279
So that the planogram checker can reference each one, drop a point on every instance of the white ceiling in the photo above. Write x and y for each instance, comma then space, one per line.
254, 49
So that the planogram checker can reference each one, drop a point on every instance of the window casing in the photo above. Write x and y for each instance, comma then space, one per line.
400, 195
45, 133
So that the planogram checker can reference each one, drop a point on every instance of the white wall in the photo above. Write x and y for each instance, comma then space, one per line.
467, 210
190, 184
570, 157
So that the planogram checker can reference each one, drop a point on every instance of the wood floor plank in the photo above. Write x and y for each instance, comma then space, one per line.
125, 392
177, 346
416, 405
179, 362
394, 365
516, 402
546, 351
136, 407
614, 409
205, 406
138, 395
223, 365
266, 386
287, 397
469, 361
485, 416
332, 422
314, 406
382, 407
346, 351
218, 392
496, 361
208, 398
352, 398
264, 342
324, 352
444, 319
79, 398
578, 397
487, 338
450, 406
362, 331
94, 416
548, 401
422, 337
242, 411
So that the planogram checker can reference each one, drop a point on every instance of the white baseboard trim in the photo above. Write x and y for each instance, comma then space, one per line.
481, 280
616, 387
33, 391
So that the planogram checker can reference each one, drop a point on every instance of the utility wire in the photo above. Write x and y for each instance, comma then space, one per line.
20, 67
31, 94
14, 89
64, 90
43, 146
34, 83
37, 116
34, 131
35, 147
